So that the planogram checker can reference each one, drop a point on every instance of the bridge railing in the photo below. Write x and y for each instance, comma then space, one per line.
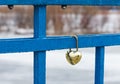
40, 43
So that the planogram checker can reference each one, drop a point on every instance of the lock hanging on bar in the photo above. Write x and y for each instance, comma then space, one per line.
73, 57
10, 7
63, 6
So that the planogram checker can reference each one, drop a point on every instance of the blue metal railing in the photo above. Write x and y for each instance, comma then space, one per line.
40, 43
61, 2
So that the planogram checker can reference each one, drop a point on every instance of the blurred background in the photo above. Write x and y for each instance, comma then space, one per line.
73, 19
18, 23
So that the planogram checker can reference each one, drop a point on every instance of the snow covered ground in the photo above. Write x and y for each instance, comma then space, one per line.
17, 68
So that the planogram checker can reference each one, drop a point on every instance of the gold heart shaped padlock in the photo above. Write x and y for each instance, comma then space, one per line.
73, 57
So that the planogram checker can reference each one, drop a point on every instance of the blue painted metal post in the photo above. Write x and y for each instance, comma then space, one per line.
99, 65
39, 56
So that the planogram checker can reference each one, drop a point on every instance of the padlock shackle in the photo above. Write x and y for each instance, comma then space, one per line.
76, 38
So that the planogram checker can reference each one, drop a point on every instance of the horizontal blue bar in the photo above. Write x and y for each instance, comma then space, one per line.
61, 2
20, 2
83, 2
58, 42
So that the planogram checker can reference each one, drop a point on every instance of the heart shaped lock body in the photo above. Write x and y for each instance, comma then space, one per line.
73, 57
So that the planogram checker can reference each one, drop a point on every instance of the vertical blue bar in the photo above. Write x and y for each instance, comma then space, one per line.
39, 56
99, 65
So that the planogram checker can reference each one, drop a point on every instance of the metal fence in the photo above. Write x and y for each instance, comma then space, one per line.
40, 43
